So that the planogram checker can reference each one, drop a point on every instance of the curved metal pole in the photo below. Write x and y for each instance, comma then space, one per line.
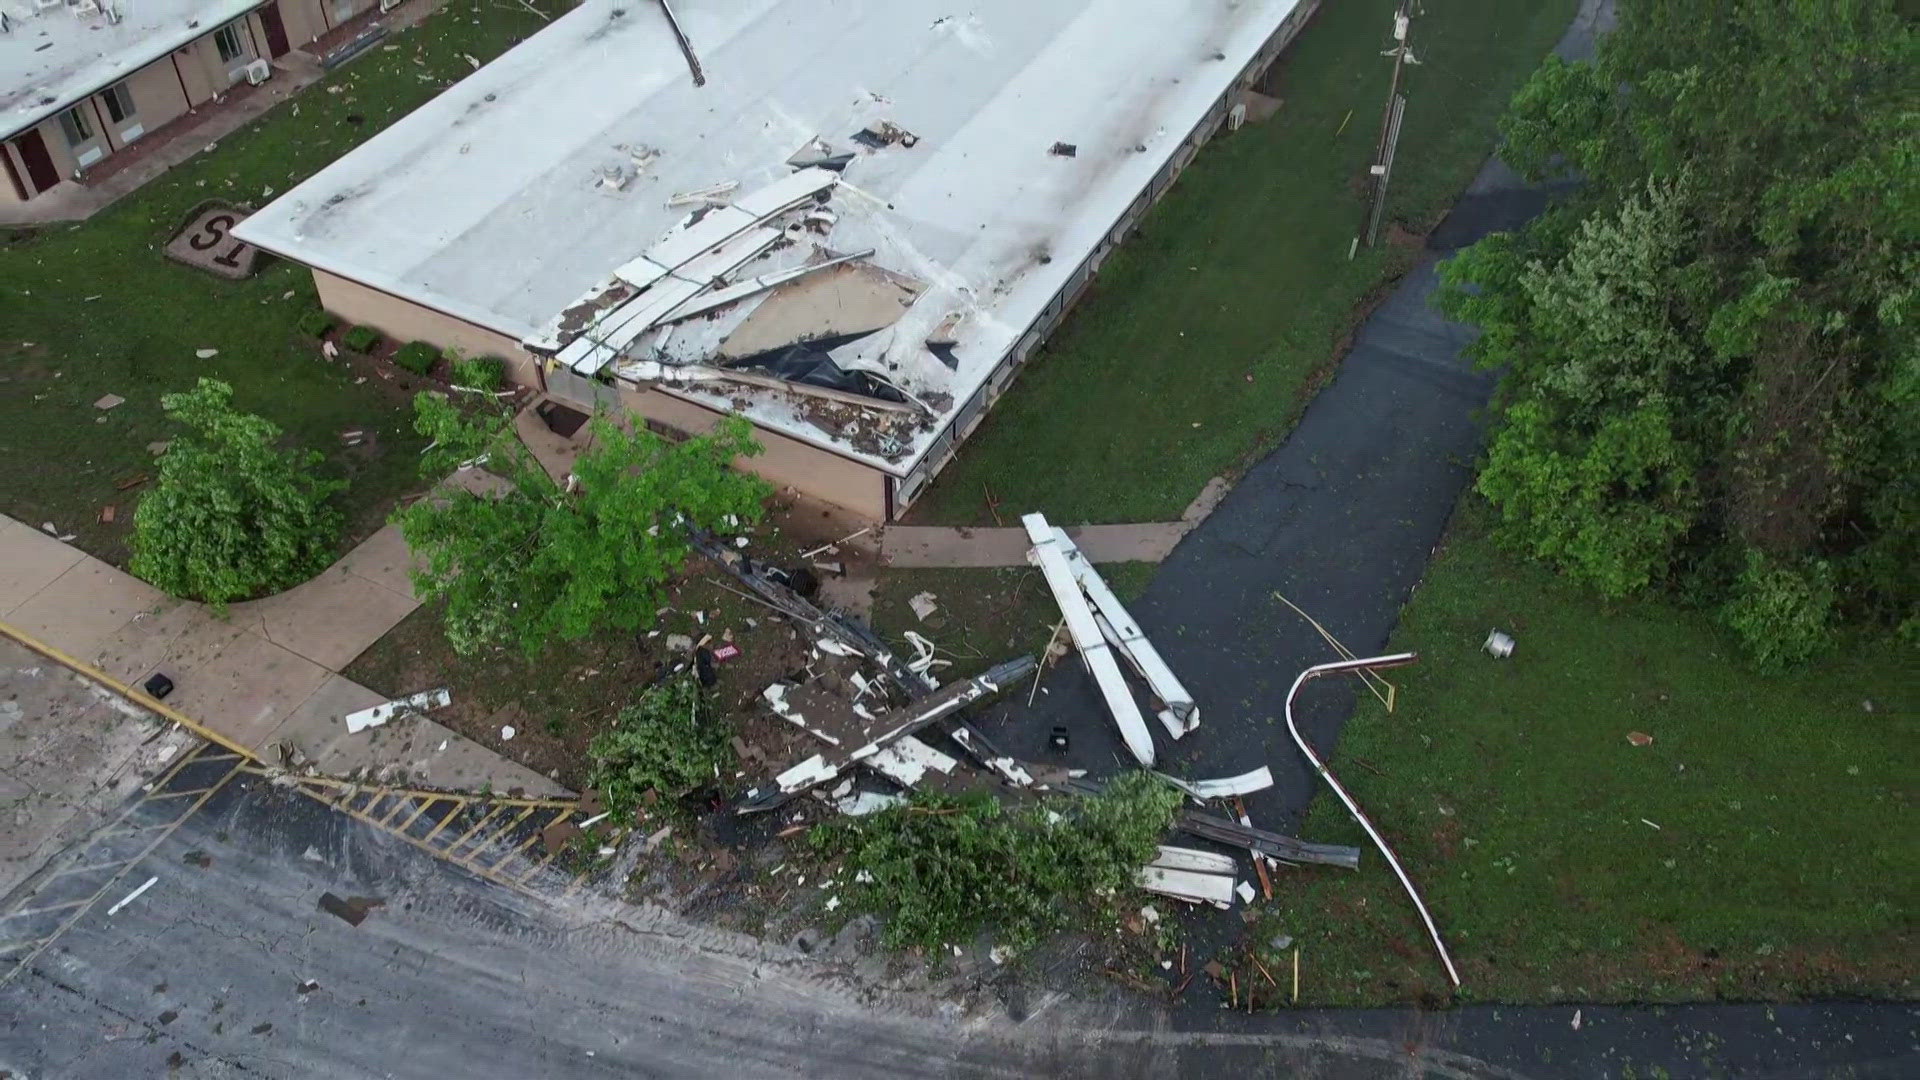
1319, 766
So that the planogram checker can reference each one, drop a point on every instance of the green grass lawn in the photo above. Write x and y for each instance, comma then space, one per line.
1760, 847
985, 614
95, 308
1202, 338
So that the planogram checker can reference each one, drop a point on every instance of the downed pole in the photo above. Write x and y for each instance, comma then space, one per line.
830, 624
1260, 841
1319, 766
899, 723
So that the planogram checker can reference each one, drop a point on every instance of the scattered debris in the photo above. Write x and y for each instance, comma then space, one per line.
1271, 844
159, 447
107, 514
205, 354
725, 653
133, 481
131, 897
1245, 892
507, 731
1498, 645
1194, 888
312, 854
197, 858
1259, 779
352, 910
677, 643
1205, 862
380, 714
1639, 738
110, 401
1063, 149
923, 606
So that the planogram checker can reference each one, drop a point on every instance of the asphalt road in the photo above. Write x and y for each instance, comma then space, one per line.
227, 967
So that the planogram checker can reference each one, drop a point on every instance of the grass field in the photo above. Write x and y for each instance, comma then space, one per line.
94, 308
1202, 337
1761, 847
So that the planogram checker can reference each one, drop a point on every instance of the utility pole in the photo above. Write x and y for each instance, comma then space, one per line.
1396, 107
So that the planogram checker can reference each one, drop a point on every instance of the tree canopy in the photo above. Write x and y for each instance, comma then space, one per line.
534, 562
1712, 375
231, 516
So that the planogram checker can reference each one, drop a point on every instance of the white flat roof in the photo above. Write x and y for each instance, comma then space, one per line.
55, 57
490, 203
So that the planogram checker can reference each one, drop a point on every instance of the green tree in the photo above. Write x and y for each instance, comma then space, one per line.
1712, 374
667, 740
533, 562
944, 869
231, 516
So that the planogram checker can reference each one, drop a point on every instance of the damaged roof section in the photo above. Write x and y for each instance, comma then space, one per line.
510, 200
745, 297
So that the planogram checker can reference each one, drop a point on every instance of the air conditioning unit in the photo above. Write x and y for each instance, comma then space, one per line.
389, 5
258, 71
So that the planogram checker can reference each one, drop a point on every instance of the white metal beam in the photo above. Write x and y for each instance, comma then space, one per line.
1047, 551
1180, 715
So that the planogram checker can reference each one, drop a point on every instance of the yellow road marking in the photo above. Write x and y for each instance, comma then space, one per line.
83, 906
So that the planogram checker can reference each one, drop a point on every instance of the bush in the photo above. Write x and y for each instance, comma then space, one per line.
1782, 615
361, 339
316, 323
666, 740
231, 517
479, 372
416, 356
943, 869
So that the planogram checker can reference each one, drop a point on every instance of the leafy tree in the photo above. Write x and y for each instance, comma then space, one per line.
667, 740
943, 869
231, 516
1712, 370
534, 562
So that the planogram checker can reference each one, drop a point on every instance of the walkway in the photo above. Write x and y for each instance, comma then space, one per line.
942, 545
268, 673
1340, 519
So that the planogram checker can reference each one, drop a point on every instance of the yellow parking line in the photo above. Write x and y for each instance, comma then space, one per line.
455, 846
83, 906
415, 816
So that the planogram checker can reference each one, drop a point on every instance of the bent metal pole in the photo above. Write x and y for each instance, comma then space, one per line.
1319, 766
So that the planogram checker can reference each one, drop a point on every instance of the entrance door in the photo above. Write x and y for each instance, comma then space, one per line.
276, 31
40, 171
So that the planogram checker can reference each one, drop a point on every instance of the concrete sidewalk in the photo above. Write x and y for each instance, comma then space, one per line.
266, 674
946, 545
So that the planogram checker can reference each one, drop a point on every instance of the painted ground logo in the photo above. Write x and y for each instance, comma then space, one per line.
206, 242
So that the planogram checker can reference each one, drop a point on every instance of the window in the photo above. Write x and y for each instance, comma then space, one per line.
227, 40
74, 123
119, 102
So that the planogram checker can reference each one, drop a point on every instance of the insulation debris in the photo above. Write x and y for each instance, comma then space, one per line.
1226, 787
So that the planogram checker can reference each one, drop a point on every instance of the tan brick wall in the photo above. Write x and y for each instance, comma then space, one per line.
157, 98
403, 320
786, 462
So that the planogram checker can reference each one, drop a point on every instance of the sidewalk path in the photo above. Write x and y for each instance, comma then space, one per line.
266, 674
1340, 519
942, 545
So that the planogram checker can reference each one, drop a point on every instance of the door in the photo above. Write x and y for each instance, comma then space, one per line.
276, 31
40, 171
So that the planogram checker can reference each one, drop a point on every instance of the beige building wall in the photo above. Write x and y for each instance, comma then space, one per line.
786, 462
55, 137
403, 320
8, 195
303, 19
194, 72
157, 99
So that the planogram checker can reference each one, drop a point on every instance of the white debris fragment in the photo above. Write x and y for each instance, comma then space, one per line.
1246, 892
1150, 914
206, 354
385, 711
678, 643
132, 896
999, 954
923, 606
312, 854
507, 731
832, 902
